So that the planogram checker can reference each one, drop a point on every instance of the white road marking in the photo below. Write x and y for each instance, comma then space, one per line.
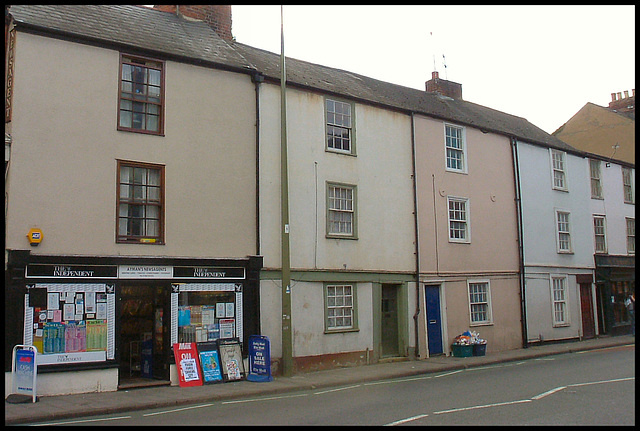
386, 382
84, 420
264, 399
177, 410
481, 407
336, 390
549, 392
448, 374
404, 421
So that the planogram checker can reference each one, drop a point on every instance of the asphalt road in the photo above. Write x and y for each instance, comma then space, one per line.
594, 387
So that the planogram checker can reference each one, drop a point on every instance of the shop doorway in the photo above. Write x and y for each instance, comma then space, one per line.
143, 334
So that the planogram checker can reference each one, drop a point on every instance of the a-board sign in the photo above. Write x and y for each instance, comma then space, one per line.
210, 362
188, 364
24, 371
259, 359
231, 359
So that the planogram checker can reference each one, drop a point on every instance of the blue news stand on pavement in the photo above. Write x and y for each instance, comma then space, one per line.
259, 359
24, 371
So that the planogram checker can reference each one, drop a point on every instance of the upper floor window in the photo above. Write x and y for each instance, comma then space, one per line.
559, 169
455, 148
339, 116
627, 184
140, 203
596, 181
341, 210
599, 232
631, 235
141, 95
563, 232
458, 219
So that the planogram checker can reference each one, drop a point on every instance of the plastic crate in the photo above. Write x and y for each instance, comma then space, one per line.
462, 351
479, 349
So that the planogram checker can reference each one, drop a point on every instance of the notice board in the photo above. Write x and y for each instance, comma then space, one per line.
210, 362
231, 359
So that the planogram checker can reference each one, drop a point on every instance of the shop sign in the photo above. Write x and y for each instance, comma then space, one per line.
231, 359
259, 359
145, 271
187, 361
209, 272
71, 271
24, 371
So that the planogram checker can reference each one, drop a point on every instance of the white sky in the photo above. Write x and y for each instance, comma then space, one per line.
543, 63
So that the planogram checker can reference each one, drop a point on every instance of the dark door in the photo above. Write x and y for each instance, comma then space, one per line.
389, 320
434, 321
586, 305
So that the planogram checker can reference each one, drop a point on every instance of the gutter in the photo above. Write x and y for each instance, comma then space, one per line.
415, 219
523, 301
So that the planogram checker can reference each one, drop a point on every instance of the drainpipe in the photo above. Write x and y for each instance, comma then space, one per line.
257, 78
523, 300
415, 221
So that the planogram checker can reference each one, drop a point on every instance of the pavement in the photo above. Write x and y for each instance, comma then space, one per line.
65, 407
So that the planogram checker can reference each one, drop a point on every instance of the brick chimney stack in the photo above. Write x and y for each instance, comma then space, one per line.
623, 104
444, 87
218, 17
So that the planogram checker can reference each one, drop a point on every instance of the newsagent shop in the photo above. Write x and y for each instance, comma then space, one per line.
109, 323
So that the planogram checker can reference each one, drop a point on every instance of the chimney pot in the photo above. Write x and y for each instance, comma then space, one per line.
434, 75
613, 97
626, 94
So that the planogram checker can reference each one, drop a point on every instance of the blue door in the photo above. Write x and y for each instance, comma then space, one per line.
434, 322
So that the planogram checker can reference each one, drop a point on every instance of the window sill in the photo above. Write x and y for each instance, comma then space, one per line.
340, 331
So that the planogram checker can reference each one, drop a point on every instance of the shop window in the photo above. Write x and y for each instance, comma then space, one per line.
620, 291
206, 312
70, 323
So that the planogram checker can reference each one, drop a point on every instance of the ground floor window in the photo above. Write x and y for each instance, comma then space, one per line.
559, 301
339, 307
70, 323
206, 312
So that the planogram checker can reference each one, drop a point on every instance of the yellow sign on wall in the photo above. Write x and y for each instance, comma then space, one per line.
35, 236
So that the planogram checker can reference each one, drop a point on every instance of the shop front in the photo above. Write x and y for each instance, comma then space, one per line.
108, 323
615, 281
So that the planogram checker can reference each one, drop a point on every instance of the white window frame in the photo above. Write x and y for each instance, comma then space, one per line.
340, 307
563, 231
627, 185
558, 166
349, 211
595, 173
462, 150
631, 235
332, 124
599, 232
466, 221
474, 300
559, 289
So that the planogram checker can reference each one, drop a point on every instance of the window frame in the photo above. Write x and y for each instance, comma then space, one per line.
567, 232
630, 235
466, 221
353, 211
488, 312
600, 232
462, 150
563, 170
627, 186
351, 129
328, 329
158, 239
564, 302
147, 63
595, 167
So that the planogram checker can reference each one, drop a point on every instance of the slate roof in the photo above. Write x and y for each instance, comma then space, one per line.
165, 34
130, 26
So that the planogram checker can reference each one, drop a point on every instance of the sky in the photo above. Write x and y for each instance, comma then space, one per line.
542, 63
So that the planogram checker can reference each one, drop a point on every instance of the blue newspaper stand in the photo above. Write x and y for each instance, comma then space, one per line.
259, 359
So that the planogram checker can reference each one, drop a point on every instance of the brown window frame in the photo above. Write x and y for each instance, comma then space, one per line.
142, 202
144, 98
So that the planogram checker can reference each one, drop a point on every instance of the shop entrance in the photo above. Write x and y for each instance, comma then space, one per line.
143, 334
